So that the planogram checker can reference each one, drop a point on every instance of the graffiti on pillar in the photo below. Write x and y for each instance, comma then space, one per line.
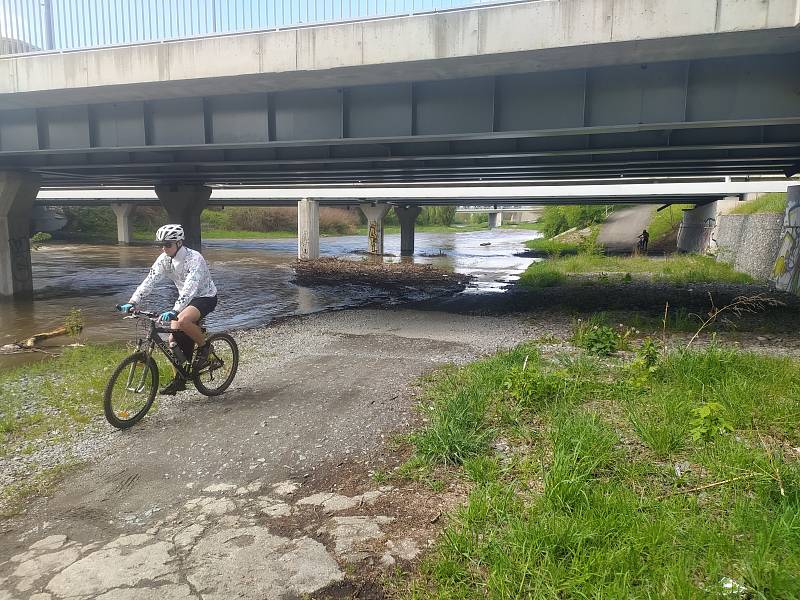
786, 271
21, 274
707, 242
372, 238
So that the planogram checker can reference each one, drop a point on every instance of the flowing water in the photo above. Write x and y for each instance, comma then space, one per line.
254, 279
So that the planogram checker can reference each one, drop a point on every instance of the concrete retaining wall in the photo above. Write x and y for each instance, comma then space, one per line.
750, 243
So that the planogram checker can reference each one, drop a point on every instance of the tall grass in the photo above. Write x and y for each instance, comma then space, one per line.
667, 220
590, 505
677, 269
773, 202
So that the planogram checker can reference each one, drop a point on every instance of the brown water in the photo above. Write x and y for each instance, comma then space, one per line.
254, 279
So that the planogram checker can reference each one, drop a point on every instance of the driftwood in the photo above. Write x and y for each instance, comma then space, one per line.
333, 271
30, 343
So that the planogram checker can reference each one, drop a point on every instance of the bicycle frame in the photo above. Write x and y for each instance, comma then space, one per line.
154, 340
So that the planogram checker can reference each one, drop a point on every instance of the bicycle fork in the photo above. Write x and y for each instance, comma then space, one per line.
132, 373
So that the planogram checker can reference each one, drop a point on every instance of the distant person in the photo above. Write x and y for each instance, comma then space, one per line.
197, 297
644, 240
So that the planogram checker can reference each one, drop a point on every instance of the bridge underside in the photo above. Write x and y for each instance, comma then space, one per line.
723, 116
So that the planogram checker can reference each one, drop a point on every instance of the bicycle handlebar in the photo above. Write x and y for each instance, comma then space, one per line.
141, 313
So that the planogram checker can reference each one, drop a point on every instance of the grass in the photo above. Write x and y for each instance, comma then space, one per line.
57, 395
773, 202
552, 247
666, 220
676, 269
589, 503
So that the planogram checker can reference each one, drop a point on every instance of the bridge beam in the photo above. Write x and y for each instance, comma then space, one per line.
308, 229
124, 225
375, 214
17, 193
787, 269
407, 215
183, 204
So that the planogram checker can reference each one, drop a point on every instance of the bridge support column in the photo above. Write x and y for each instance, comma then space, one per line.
698, 228
17, 193
183, 204
375, 215
495, 219
308, 229
124, 226
787, 269
407, 216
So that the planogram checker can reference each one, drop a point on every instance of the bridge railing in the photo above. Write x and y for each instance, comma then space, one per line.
28, 26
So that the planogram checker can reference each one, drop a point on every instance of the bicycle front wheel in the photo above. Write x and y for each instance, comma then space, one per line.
131, 390
223, 362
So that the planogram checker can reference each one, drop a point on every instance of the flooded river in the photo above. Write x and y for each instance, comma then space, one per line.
254, 279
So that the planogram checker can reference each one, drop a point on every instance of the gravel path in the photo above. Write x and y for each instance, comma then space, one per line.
326, 389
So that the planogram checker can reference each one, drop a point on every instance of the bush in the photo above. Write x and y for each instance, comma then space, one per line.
339, 221
541, 275
557, 219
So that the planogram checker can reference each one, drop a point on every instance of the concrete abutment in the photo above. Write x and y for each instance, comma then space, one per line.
787, 270
183, 204
17, 193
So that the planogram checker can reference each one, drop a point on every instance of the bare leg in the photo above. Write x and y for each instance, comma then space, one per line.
187, 322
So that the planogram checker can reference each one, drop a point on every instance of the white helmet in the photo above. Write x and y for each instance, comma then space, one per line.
170, 233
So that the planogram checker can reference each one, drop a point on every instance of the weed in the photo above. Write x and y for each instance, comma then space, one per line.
73, 322
709, 423
541, 275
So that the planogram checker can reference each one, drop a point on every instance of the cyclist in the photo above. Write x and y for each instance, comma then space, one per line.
644, 239
197, 296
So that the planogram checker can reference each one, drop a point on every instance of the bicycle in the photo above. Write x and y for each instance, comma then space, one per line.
125, 405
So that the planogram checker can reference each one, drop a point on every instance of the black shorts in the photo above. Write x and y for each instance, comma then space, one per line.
205, 304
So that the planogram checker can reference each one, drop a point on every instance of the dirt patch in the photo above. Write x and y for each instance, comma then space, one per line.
332, 271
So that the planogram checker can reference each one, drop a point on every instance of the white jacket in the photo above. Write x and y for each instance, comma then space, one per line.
188, 270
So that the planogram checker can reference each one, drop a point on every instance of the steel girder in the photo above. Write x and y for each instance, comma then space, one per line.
738, 115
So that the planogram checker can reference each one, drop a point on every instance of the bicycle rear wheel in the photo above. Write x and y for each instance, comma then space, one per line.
223, 362
131, 390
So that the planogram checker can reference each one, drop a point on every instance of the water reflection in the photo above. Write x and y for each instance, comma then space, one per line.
254, 278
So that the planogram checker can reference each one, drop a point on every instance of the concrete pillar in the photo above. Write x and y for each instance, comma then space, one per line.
124, 225
17, 193
183, 204
699, 227
408, 217
786, 271
375, 215
495, 219
308, 229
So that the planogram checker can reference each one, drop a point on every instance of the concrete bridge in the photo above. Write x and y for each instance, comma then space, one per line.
505, 93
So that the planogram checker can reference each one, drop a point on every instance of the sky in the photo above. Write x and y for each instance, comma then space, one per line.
87, 23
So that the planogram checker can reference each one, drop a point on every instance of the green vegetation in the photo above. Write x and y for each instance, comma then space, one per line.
675, 269
602, 489
558, 219
59, 395
774, 202
553, 247
666, 221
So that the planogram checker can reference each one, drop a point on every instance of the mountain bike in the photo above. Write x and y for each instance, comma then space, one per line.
133, 385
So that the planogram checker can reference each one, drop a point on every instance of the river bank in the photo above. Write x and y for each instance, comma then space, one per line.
319, 402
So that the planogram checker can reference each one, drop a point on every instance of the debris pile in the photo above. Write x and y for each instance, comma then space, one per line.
333, 271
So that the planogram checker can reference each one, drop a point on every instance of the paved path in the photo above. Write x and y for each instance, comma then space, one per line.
620, 231
246, 496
